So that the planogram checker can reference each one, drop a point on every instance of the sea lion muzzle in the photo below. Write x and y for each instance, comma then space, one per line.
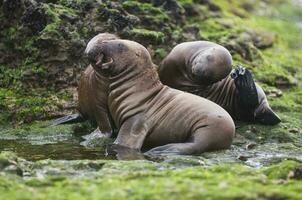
107, 65
99, 62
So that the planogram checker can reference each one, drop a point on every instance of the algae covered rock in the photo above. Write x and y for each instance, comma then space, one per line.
11, 164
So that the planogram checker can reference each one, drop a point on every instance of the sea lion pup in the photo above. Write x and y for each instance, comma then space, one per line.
203, 68
92, 95
149, 114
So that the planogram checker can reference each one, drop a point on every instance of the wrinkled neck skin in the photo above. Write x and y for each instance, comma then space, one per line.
130, 91
224, 94
100, 84
100, 78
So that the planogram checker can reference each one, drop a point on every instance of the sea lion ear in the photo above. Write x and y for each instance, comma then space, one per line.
268, 117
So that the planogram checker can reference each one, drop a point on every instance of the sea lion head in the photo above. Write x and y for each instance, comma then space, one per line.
207, 65
112, 57
263, 113
94, 42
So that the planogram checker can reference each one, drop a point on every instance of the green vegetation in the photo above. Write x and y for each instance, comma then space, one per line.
150, 36
38, 75
143, 180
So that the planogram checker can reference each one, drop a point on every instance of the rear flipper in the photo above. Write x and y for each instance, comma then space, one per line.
246, 90
69, 119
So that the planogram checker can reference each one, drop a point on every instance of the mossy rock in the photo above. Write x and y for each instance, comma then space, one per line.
285, 170
145, 36
144, 179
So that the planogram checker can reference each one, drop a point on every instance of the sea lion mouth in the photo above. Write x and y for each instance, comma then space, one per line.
101, 63
99, 59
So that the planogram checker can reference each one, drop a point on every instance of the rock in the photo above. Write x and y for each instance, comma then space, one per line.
13, 169
295, 174
243, 157
119, 19
10, 166
191, 10
248, 6
4, 163
294, 130
238, 12
263, 40
34, 18
12, 8
275, 93
242, 45
212, 6
250, 146
254, 129
174, 7
191, 33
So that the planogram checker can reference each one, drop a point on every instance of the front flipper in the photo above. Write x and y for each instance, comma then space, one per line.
69, 119
246, 90
132, 133
97, 133
172, 149
97, 139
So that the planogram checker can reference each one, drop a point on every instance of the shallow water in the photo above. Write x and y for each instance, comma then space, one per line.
46, 142
66, 150
65, 145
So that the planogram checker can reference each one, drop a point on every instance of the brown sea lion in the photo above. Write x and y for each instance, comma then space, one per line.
93, 94
149, 114
203, 68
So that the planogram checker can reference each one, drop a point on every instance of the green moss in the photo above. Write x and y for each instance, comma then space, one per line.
146, 10
153, 37
282, 170
279, 76
185, 2
149, 183
277, 134
160, 53
7, 155
20, 108
58, 16
289, 101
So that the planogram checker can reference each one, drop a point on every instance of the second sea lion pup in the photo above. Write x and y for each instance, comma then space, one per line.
149, 114
203, 68
92, 96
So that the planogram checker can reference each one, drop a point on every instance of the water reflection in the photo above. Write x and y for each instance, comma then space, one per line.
66, 150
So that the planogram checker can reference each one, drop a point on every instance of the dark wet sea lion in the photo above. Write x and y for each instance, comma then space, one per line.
93, 94
203, 68
149, 114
